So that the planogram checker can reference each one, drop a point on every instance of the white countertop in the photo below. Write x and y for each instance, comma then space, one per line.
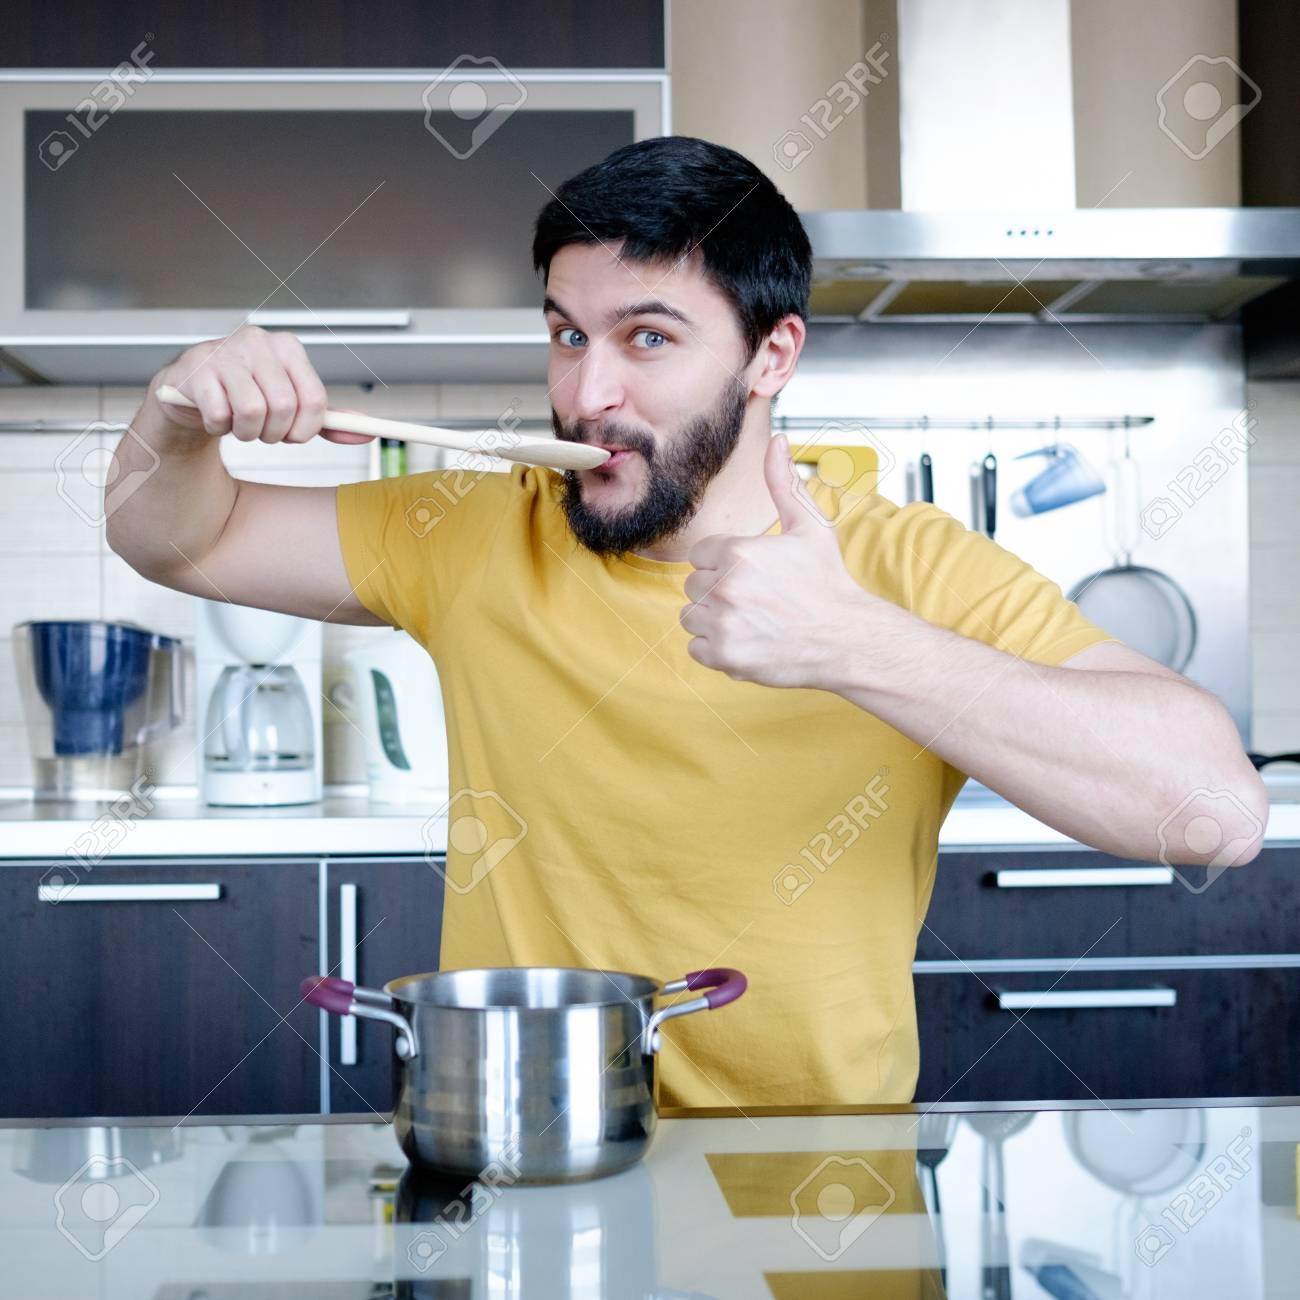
754, 1206
346, 822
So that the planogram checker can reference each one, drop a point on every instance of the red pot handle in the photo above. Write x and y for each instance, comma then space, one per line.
723, 984
329, 993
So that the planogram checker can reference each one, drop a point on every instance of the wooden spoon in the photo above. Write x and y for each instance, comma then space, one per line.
553, 452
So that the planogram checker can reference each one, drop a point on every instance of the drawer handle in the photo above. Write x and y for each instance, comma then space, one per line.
1082, 877
348, 968
1083, 999
176, 893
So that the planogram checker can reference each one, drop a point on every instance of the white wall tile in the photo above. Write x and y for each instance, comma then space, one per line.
11, 709
1277, 732
42, 513
490, 401
345, 754
1274, 588
1274, 491
1276, 683
48, 586
1274, 405
15, 755
128, 597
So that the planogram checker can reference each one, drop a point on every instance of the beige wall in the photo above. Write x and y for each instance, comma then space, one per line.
1123, 53
743, 73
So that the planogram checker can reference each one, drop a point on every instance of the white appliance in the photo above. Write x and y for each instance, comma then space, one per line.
258, 691
399, 705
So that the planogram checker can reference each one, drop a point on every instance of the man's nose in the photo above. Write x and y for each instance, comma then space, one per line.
600, 389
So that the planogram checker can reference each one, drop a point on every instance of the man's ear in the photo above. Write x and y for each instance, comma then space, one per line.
778, 355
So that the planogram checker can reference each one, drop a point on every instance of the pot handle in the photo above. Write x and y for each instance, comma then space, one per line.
722, 985
343, 998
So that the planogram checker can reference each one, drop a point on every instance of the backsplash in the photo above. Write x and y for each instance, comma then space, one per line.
54, 562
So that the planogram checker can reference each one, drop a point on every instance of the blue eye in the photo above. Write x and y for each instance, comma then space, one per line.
568, 329
653, 334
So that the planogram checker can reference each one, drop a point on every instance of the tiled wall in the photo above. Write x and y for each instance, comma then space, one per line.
54, 562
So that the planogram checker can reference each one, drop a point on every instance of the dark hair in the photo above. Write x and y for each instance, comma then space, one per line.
672, 195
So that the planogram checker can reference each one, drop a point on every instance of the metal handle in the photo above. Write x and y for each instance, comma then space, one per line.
345, 319
1085, 999
343, 998
723, 985
1082, 877
176, 893
927, 478
348, 968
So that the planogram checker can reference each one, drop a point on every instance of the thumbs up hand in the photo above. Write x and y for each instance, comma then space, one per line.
781, 609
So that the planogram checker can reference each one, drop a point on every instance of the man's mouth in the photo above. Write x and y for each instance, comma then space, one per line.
617, 456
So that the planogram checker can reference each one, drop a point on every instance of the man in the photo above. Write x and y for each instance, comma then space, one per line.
630, 792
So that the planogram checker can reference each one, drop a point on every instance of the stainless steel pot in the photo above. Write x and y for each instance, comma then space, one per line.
533, 1074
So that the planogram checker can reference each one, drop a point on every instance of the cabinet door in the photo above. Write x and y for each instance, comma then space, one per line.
1204, 1033
338, 34
159, 989
1065, 902
384, 920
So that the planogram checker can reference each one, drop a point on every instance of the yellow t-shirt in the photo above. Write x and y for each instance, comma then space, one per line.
637, 811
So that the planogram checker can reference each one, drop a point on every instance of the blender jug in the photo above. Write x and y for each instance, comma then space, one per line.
94, 695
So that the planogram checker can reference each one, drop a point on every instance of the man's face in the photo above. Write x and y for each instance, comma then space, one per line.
647, 359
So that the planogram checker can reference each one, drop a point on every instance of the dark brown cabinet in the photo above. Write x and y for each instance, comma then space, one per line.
157, 989
1081, 906
338, 34
383, 920
1068, 980
1207, 1033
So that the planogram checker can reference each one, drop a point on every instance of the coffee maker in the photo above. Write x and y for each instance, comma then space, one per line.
259, 706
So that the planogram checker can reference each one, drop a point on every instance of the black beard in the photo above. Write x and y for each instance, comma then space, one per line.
675, 479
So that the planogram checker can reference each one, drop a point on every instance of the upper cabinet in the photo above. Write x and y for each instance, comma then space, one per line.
367, 177
338, 34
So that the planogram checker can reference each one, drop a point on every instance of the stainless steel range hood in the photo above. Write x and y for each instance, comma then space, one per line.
972, 177
1082, 265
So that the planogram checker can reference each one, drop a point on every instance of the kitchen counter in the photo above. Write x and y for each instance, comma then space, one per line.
346, 821
816, 1203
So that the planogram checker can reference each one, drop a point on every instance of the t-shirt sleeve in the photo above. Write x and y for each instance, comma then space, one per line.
409, 542
960, 579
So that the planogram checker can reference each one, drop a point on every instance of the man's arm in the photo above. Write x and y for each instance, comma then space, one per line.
1113, 750
190, 525
1109, 748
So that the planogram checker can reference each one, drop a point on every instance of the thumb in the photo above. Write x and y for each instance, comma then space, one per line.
787, 488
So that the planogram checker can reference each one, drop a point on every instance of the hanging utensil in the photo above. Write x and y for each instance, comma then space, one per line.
989, 492
553, 452
1144, 607
927, 478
